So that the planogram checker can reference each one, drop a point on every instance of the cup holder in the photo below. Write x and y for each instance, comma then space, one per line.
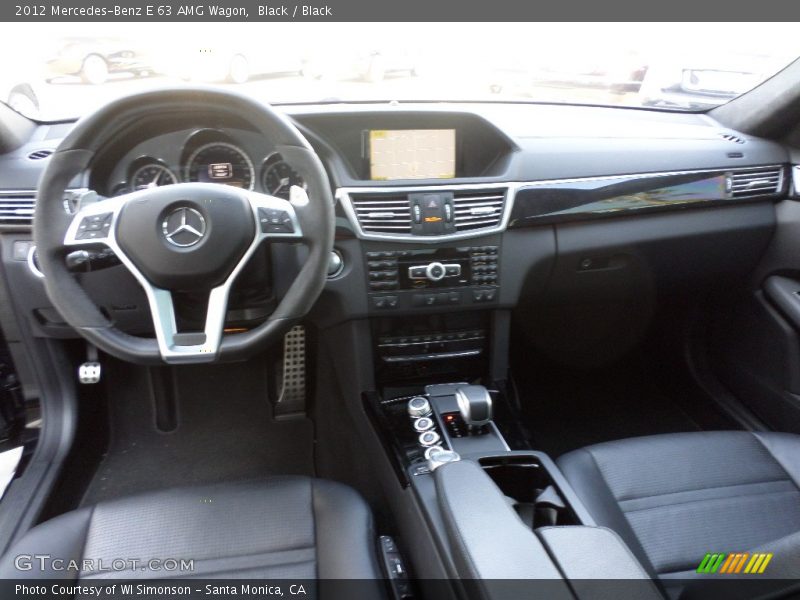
527, 482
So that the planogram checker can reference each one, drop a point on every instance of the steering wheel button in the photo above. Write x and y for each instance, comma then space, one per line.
94, 226
274, 220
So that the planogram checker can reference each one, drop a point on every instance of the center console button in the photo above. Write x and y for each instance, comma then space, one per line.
419, 407
423, 424
429, 438
432, 450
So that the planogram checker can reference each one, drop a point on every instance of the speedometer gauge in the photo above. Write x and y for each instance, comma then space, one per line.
221, 162
152, 175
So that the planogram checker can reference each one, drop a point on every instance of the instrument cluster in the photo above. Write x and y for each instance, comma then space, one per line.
208, 156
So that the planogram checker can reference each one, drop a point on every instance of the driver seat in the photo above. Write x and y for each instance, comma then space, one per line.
278, 528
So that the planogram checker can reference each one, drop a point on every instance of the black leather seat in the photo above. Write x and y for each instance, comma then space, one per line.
286, 527
675, 497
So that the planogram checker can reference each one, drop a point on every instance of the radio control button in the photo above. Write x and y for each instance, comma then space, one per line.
384, 302
452, 270
417, 272
485, 295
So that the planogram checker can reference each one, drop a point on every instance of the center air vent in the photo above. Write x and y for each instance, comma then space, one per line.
383, 212
478, 209
756, 182
390, 212
16, 208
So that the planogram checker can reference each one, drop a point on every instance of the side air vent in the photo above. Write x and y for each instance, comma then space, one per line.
16, 208
756, 182
478, 209
40, 154
732, 138
383, 213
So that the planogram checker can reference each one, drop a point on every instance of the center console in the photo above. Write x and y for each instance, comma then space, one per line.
504, 518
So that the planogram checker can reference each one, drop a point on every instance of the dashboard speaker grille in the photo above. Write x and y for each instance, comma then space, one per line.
476, 209
16, 208
383, 212
756, 182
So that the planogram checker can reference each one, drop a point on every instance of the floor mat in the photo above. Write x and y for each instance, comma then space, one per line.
566, 408
225, 432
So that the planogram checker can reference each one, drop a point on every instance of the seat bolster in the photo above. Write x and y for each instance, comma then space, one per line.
581, 471
62, 538
345, 536
785, 449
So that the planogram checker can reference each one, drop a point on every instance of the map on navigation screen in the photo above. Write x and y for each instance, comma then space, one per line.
412, 154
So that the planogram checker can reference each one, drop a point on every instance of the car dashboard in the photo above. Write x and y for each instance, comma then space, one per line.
526, 199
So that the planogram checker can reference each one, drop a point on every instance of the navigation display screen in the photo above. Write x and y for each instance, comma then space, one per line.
412, 154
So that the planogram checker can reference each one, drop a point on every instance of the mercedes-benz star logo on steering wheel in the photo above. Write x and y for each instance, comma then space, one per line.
184, 227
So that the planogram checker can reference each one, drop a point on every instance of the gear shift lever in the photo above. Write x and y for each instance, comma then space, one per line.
475, 405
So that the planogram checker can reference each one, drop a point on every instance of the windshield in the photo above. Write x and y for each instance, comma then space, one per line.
61, 71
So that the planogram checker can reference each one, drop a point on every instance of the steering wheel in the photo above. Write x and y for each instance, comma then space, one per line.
186, 236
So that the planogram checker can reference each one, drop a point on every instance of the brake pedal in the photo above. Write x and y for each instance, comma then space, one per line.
90, 371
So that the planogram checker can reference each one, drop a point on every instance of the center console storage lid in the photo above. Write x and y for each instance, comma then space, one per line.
487, 539
597, 563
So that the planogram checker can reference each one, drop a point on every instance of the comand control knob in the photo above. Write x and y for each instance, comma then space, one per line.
419, 407
439, 456
435, 271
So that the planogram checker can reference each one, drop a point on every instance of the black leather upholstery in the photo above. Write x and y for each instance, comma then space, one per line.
287, 527
674, 497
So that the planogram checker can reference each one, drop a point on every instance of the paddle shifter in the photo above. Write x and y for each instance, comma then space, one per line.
475, 406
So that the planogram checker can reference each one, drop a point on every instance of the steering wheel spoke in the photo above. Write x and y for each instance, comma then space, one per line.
187, 347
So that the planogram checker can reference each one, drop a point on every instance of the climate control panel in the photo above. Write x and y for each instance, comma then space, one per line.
433, 277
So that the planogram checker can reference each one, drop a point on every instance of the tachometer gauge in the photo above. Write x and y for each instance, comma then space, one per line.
279, 177
220, 162
152, 175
